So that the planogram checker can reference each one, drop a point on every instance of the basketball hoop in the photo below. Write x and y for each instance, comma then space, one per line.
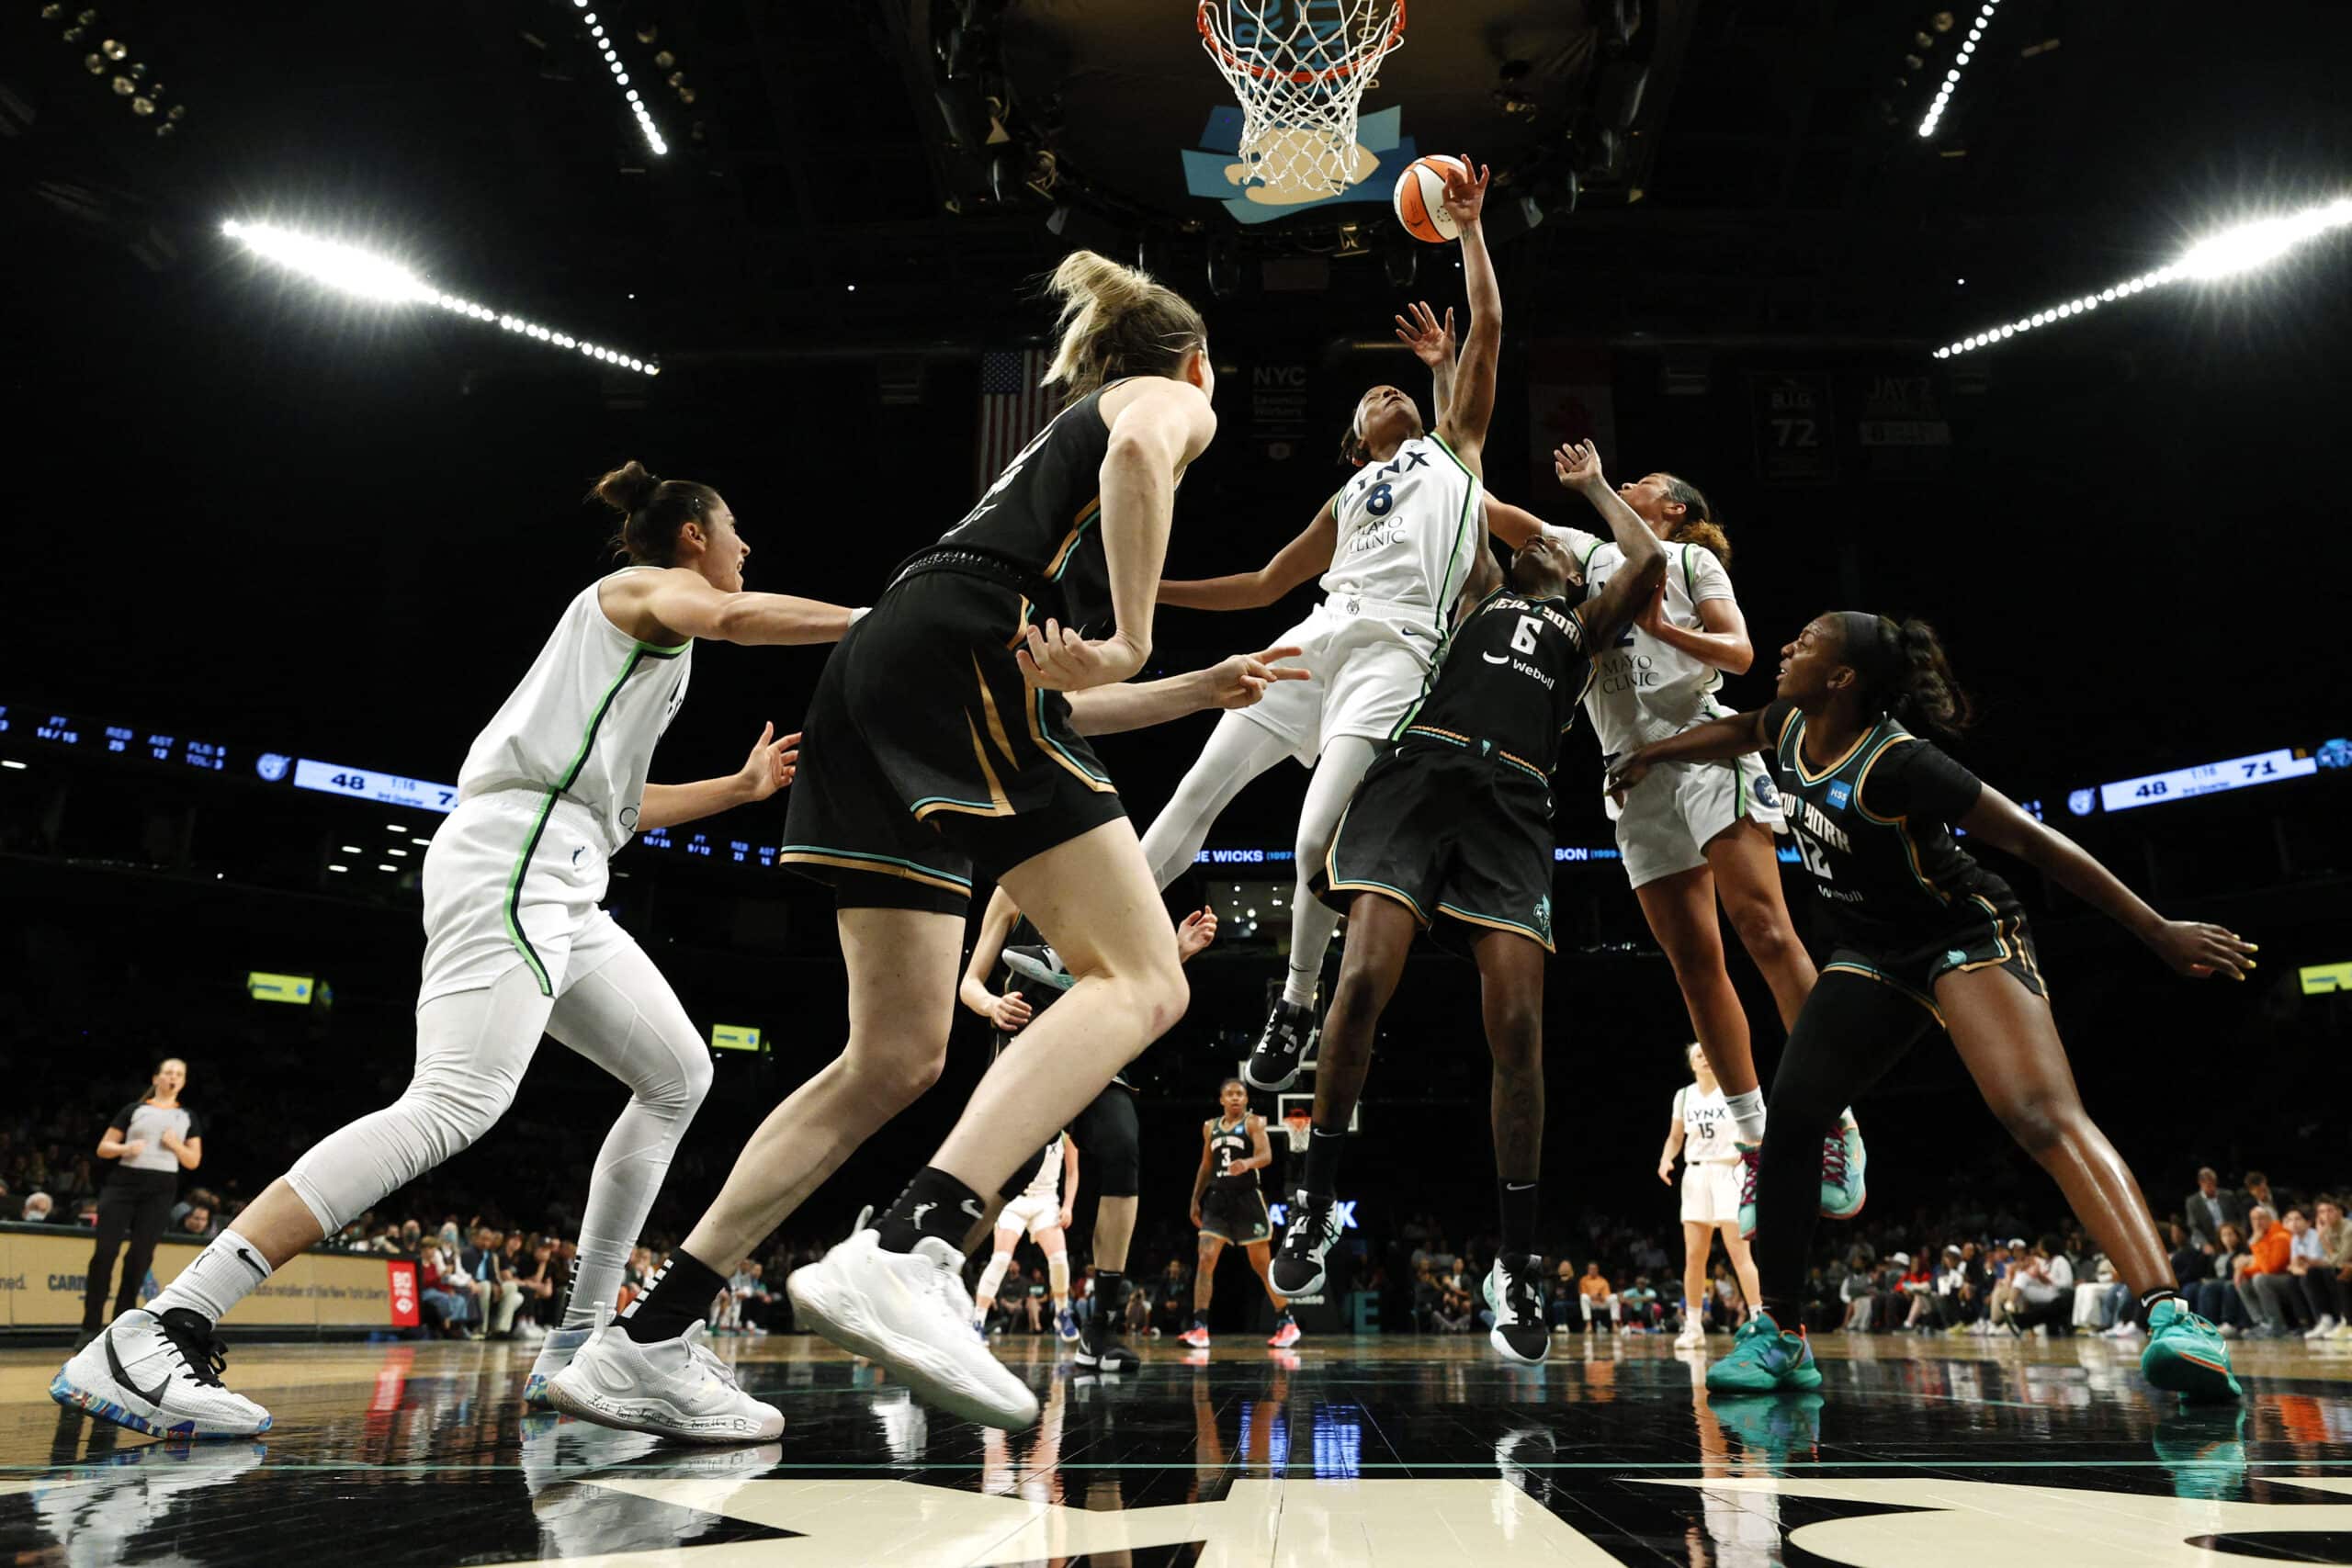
1300, 83
1300, 1125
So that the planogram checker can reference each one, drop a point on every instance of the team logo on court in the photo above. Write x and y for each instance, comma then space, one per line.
1839, 794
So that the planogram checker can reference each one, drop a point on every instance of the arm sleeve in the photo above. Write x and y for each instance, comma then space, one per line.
1705, 576
1915, 779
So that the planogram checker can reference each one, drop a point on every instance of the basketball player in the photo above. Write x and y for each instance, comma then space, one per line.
1228, 1207
1700, 834
1456, 822
1927, 936
1394, 547
1107, 1131
516, 947
1042, 1210
1701, 1132
946, 736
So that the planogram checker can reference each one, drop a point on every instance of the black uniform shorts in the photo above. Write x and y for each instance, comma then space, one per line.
1449, 830
1237, 1214
1987, 933
924, 756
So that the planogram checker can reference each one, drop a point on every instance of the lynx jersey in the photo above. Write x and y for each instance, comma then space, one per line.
1513, 675
1706, 1126
1642, 690
581, 727
1047, 1181
1874, 827
1227, 1144
1045, 510
1406, 530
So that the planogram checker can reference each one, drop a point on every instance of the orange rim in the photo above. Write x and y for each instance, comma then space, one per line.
1299, 78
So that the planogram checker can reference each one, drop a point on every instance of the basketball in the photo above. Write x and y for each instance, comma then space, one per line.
1421, 198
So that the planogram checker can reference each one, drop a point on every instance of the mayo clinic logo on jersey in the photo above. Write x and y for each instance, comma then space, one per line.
1841, 794
1377, 536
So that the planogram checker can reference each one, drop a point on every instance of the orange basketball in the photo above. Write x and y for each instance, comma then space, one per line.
1421, 198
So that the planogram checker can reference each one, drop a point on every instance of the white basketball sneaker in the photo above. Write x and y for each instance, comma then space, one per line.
1693, 1336
158, 1375
673, 1388
910, 1311
556, 1352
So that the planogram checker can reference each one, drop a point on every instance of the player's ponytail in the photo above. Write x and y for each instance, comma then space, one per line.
1700, 525
1905, 671
652, 510
1930, 700
1116, 321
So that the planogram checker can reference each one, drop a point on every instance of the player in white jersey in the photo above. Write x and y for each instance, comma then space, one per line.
1697, 834
516, 947
1394, 549
1701, 1133
1043, 1211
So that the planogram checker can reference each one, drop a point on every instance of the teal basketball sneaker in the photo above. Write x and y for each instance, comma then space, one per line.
1766, 1359
2186, 1354
1842, 1170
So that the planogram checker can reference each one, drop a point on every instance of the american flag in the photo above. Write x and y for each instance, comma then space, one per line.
1013, 406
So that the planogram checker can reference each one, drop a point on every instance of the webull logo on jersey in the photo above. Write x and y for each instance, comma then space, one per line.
1841, 794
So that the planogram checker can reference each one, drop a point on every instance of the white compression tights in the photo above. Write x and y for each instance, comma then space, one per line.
472, 1049
1238, 751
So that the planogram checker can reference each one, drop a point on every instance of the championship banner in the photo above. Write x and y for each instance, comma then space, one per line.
1795, 421
43, 1267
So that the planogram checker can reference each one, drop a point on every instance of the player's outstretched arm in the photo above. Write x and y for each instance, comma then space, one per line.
687, 603
1306, 557
1235, 683
1007, 1012
2190, 947
774, 759
1433, 344
1472, 403
1160, 426
1734, 735
1644, 575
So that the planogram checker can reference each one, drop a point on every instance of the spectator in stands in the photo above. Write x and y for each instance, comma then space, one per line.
1598, 1297
196, 1225
442, 1308
2281, 1291
753, 1300
2327, 1277
37, 1208
1138, 1311
2258, 1191
494, 1283
2214, 1296
2095, 1284
2266, 1254
2207, 1210
535, 1272
1915, 1294
195, 1196
1859, 1291
1643, 1310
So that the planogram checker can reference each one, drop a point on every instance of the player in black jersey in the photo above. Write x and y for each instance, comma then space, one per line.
945, 739
1106, 1133
1456, 824
1923, 935
1229, 1210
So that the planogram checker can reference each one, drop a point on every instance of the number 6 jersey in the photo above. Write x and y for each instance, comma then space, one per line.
1513, 674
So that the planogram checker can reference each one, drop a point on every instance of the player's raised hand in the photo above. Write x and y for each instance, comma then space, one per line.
772, 763
1578, 464
1465, 193
1430, 340
1196, 932
1054, 657
2202, 949
1240, 681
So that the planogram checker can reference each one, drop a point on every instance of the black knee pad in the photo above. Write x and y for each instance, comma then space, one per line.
1110, 1143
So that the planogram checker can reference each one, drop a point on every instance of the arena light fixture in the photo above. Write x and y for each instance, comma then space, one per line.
1951, 84
352, 270
608, 46
2227, 253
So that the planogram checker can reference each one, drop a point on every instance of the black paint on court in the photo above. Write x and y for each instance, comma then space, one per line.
1393, 1451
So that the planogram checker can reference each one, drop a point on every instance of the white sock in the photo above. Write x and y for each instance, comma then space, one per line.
1298, 985
221, 1276
1747, 1115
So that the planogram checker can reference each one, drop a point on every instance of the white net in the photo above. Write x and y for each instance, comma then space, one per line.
1300, 68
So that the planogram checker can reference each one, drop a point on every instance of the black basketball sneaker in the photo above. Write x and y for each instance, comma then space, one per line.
1273, 1061
1297, 1267
1515, 1292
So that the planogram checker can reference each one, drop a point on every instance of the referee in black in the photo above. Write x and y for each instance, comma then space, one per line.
151, 1142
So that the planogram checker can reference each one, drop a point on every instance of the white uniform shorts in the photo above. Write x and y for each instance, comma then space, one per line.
1671, 816
1370, 663
1032, 1214
1711, 1192
504, 888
